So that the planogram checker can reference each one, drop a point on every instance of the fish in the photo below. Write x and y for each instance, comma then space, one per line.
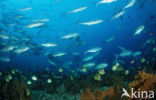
105, 1
67, 64
139, 29
34, 78
49, 81
25, 9
137, 53
19, 17
89, 23
51, 62
101, 72
29, 82
3, 36
83, 69
97, 77
21, 49
101, 66
4, 59
75, 53
48, 44
124, 52
130, 4
94, 50
88, 58
34, 25
110, 39
88, 65
59, 54
118, 14
79, 9
69, 36
8, 48
40, 20
60, 70
114, 68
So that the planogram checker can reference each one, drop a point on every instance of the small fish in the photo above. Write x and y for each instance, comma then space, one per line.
67, 64
88, 65
69, 36
88, 58
7, 48
139, 29
97, 77
101, 72
130, 4
105, 1
19, 17
29, 82
41, 20
22, 49
110, 39
34, 25
3, 36
25, 9
51, 62
49, 44
137, 53
83, 69
79, 9
126, 72
133, 61
60, 70
125, 52
93, 50
59, 54
114, 68
49, 81
75, 53
89, 23
5, 59
118, 14
34, 78
101, 66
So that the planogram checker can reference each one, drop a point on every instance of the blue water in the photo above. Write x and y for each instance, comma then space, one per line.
61, 23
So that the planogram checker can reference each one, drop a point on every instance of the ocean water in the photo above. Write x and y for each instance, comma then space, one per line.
76, 39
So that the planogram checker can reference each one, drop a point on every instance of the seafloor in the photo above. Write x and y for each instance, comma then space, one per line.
15, 85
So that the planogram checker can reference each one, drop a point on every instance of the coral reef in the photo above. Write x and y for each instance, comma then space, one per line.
144, 81
15, 90
42, 95
98, 94
87, 95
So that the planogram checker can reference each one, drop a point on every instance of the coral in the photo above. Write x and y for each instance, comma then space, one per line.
87, 95
143, 81
61, 89
98, 94
42, 95
15, 90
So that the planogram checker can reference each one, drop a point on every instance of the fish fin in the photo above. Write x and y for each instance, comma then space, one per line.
116, 56
123, 49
